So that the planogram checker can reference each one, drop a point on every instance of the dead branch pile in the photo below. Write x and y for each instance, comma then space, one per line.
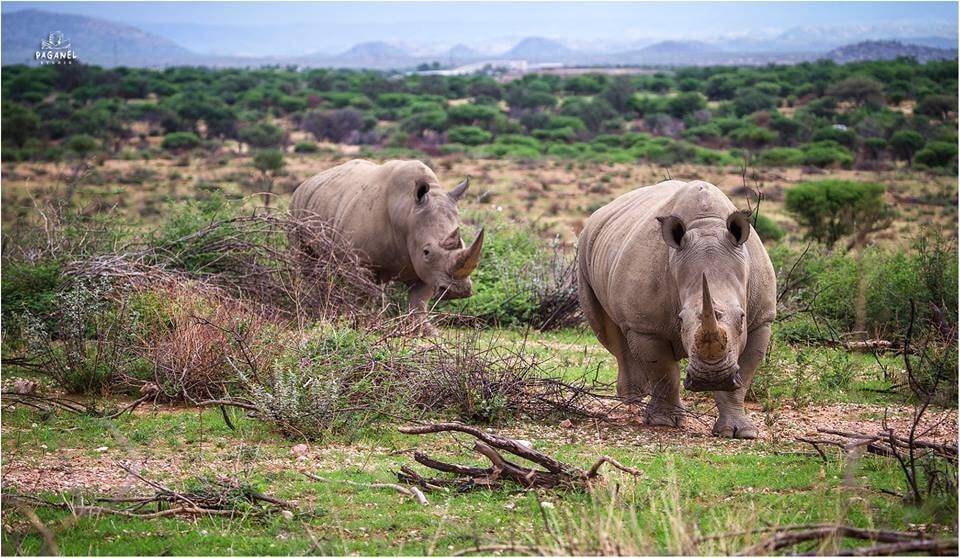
486, 381
558, 302
552, 474
885, 444
225, 497
300, 267
890, 542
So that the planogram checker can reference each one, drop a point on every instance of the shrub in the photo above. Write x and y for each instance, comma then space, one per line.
306, 147
180, 141
905, 143
831, 209
860, 90
469, 135
87, 342
826, 153
937, 106
768, 229
937, 154
337, 126
781, 157
29, 288
263, 135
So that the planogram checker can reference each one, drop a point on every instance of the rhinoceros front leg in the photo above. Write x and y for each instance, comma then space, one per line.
733, 421
420, 295
652, 359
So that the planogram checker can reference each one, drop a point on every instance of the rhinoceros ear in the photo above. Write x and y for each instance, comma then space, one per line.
459, 190
672, 229
738, 223
422, 188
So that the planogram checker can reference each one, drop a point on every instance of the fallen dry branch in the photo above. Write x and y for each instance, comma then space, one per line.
556, 473
884, 444
220, 498
411, 491
793, 535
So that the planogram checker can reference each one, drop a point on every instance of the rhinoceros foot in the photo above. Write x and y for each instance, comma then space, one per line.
662, 413
735, 427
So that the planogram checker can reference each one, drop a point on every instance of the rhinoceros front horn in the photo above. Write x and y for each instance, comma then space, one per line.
711, 340
468, 259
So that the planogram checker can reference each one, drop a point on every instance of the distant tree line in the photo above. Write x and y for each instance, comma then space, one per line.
813, 114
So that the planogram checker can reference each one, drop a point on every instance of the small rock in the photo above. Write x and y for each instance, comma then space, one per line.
24, 387
567, 423
102, 449
300, 450
287, 514
547, 505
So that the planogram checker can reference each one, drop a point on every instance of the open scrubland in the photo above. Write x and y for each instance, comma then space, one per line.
176, 381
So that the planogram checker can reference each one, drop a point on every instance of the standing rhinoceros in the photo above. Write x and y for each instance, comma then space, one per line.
405, 227
670, 271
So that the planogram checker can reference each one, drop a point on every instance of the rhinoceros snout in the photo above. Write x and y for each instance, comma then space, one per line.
724, 380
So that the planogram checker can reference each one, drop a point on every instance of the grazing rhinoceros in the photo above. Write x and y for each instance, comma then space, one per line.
670, 271
406, 228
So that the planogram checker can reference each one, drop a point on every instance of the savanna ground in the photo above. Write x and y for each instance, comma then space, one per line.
692, 485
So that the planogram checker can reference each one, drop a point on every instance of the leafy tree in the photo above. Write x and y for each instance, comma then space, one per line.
469, 135
937, 154
937, 106
875, 147
905, 144
721, 87
685, 103
860, 90
180, 141
337, 126
19, 124
262, 135
832, 209
618, 93
270, 163
749, 100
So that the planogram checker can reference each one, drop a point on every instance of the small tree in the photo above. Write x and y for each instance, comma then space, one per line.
180, 141
270, 163
937, 106
832, 209
81, 148
905, 144
860, 90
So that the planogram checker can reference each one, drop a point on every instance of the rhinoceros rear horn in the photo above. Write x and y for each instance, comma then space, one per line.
459, 190
468, 259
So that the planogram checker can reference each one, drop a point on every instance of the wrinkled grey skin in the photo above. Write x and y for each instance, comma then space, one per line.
670, 271
399, 218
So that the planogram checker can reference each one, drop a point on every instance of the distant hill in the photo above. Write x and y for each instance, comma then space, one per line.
106, 43
538, 49
887, 50
95, 41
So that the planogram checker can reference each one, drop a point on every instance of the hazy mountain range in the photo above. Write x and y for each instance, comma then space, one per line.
108, 43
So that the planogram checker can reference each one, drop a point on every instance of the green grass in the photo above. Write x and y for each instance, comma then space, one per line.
720, 485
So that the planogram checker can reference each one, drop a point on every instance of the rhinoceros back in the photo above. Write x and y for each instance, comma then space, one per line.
354, 198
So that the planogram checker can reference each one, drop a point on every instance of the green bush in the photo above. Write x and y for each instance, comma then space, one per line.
832, 209
781, 157
468, 135
502, 291
768, 229
179, 141
937, 154
826, 153
306, 147
28, 287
